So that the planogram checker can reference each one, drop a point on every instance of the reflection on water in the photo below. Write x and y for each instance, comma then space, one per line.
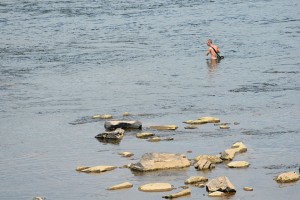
212, 65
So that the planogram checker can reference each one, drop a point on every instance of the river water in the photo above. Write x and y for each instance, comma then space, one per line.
62, 62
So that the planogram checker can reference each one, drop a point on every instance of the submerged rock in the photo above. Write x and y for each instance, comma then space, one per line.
121, 186
184, 192
112, 125
221, 184
96, 169
165, 127
144, 135
158, 161
156, 187
238, 164
195, 179
204, 164
112, 135
213, 159
157, 139
288, 177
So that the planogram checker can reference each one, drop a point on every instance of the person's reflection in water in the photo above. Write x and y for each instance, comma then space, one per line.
212, 65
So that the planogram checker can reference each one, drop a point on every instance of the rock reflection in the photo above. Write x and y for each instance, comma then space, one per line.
109, 141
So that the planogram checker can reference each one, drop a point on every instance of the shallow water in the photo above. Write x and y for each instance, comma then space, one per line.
63, 62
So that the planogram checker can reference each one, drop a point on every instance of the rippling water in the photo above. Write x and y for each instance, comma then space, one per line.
64, 61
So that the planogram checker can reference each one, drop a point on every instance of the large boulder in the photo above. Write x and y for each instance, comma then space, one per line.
112, 135
221, 184
158, 161
114, 124
288, 177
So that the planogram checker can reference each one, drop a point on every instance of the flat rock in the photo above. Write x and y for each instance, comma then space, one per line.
112, 135
144, 135
248, 189
203, 164
114, 124
156, 187
102, 116
121, 186
238, 164
288, 177
224, 127
195, 179
221, 184
216, 194
164, 127
157, 139
96, 169
213, 159
190, 127
126, 154
240, 147
158, 161
182, 193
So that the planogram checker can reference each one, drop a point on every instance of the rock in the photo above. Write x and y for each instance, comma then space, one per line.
248, 189
112, 135
216, 194
144, 135
103, 116
126, 154
200, 185
221, 184
221, 124
238, 164
126, 114
240, 147
157, 139
203, 120
224, 127
157, 161
112, 125
204, 164
190, 127
288, 177
195, 179
80, 168
236, 123
156, 187
165, 127
121, 186
39, 198
228, 154
213, 159
96, 169
184, 192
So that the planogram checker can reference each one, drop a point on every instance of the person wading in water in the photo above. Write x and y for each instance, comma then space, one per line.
213, 50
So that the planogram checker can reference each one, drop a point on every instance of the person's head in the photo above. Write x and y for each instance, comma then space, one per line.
209, 42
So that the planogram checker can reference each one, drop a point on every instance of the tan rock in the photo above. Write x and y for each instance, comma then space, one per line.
80, 168
195, 179
120, 186
224, 127
204, 164
288, 177
190, 127
238, 164
102, 116
144, 135
248, 189
184, 192
126, 114
97, 169
228, 154
154, 139
165, 127
213, 159
216, 194
209, 119
157, 161
156, 187
240, 147
221, 184
126, 154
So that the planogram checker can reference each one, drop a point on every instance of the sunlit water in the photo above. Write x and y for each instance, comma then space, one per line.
65, 61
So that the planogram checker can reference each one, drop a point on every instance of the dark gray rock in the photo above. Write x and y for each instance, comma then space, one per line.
112, 125
112, 135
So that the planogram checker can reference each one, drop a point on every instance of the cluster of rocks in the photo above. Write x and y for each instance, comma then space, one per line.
115, 130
